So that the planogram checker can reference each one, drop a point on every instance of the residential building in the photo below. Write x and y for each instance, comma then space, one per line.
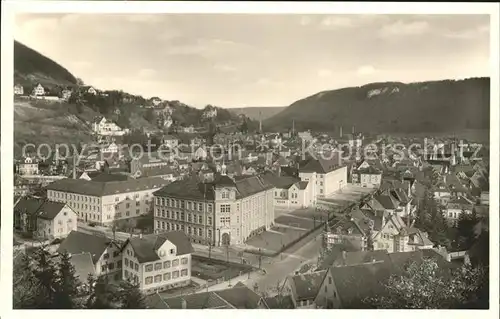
66, 94
102, 202
27, 166
290, 192
149, 161
224, 211
102, 126
104, 253
38, 90
237, 297
326, 175
169, 141
18, 89
304, 288
367, 177
44, 219
158, 262
456, 207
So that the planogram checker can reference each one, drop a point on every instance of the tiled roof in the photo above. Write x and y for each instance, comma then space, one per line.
279, 302
192, 188
43, 208
146, 247
204, 300
240, 297
306, 286
78, 243
361, 257
83, 266
357, 282
106, 177
321, 166
281, 182
93, 188
302, 184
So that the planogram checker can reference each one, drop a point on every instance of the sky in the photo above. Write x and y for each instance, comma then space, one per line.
237, 60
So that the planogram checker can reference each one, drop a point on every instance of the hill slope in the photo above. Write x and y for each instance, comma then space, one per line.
31, 67
438, 106
255, 113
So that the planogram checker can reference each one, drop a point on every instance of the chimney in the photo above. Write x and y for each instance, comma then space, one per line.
74, 166
183, 303
341, 132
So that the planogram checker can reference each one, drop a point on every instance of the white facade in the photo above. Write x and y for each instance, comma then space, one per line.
59, 227
168, 271
18, 90
38, 90
104, 127
28, 166
294, 197
325, 184
105, 209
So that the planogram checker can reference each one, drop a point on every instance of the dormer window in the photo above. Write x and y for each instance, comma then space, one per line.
225, 195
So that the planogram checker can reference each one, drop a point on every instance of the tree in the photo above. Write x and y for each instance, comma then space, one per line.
423, 285
25, 285
150, 116
430, 219
465, 230
66, 284
44, 271
131, 297
100, 294
79, 82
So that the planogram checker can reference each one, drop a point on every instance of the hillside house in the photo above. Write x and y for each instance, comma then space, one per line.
89, 90
39, 90
18, 89
155, 101
27, 166
66, 94
169, 141
102, 126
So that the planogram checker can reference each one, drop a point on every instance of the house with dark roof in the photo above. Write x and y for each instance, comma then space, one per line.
348, 286
303, 288
221, 211
290, 192
236, 297
44, 219
327, 175
157, 262
105, 254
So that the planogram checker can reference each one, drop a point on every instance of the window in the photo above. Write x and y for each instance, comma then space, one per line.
329, 280
182, 216
149, 280
119, 264
158, 278
111, 266
157, 266
103, 268
125, 272
166, 276
209, 220
209, 233
200, 232
200, 219
225, 208
175, 262
184, 272
189, 230
209, 208
162, 225
225, 195
200, 207
326, 288
166, 264
184, 261
190, 218
172, 251
126, 206
225, 220
149, 267
175, 274
116, 253
126, 262
177, 215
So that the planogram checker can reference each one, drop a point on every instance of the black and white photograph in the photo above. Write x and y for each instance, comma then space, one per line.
241, 160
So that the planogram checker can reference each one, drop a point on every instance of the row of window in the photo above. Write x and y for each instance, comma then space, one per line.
166, 276
190, 230
131, 264
191, 218
136, 196
83, 198
179, 203
165, 264
111, 265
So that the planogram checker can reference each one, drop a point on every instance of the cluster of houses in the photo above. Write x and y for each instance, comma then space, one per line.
61, 94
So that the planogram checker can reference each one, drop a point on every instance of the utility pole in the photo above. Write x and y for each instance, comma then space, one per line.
260, 259
209, 250
227, 253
